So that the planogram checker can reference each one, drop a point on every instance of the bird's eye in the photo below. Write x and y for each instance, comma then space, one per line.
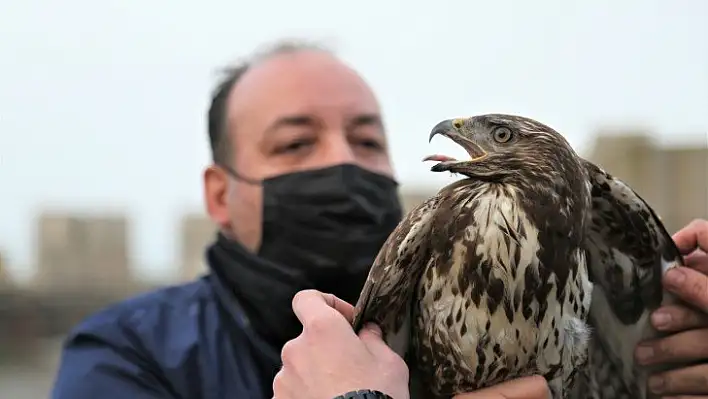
502, 134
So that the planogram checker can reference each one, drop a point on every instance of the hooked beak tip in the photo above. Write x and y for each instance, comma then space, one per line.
443, 128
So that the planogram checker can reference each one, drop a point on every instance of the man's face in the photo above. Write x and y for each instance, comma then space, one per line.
290, 113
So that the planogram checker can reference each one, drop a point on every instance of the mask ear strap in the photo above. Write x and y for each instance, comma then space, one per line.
239, 176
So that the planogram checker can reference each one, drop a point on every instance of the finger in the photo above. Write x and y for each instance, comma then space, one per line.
282, 386
673, 318
312, 310
689, 285
694, 235
685, 381
372, 337
684, 346
697, 261
344, 308
288, 353
534, 387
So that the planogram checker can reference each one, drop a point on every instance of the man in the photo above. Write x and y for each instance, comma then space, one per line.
302, 192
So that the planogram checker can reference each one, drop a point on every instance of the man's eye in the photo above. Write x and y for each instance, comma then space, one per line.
371, 144
295, 146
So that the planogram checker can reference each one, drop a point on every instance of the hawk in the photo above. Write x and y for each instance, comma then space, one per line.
536, 262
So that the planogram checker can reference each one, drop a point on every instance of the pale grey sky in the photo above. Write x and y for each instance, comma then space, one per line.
102, 102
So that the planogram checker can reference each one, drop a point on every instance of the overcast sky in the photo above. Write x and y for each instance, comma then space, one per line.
102, 102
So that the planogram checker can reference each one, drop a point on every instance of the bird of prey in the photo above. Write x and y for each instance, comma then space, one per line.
536, 262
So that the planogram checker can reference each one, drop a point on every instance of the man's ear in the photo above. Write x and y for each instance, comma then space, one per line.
215, 196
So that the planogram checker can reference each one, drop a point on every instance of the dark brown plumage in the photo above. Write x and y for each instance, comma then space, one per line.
488, 280
629, 249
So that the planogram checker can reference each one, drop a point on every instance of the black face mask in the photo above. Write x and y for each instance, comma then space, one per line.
322, 229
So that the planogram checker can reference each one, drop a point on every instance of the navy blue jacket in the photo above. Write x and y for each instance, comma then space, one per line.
186, 341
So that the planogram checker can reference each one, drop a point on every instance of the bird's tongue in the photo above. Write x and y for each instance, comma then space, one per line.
439, 158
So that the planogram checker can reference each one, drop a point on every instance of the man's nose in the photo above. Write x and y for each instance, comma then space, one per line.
337, 150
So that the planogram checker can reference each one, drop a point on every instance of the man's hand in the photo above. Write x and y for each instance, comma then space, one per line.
328, 359
689, 324
534, 387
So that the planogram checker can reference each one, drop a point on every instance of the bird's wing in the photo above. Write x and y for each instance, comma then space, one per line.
389, 288
629, 249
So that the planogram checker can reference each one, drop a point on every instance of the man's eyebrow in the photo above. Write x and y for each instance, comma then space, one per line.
308, 120
291, 120
366, 119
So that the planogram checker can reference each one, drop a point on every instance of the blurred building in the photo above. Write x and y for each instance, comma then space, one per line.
413, 198
5, 282
196, 232
18, 321
78, 253
673, 180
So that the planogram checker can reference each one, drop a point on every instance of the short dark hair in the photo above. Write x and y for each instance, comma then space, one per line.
218, 108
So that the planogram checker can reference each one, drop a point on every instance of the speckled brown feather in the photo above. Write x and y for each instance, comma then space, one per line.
629, 249
388, 290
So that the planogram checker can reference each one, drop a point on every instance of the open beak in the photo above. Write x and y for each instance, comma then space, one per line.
446, 128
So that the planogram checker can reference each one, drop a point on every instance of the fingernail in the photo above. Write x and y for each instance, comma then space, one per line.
656, 384
645, 353
661, 319
675, 277
373, 328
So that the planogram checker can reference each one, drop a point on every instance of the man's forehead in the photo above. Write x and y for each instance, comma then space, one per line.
299, 83
293, 63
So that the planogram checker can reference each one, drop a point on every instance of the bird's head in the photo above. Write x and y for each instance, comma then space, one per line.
503, 146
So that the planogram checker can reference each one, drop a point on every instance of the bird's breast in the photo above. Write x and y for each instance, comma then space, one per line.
484, 308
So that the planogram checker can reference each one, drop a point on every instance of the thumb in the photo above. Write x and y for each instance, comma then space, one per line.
372, 337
